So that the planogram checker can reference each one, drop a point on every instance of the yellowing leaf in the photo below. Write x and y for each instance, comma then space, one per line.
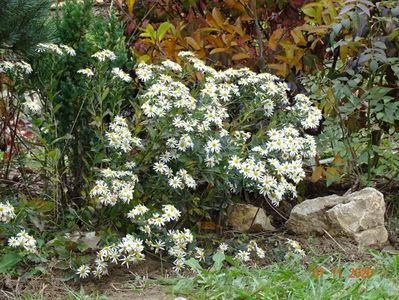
208, 226
338, 160
281, 69
193, 43
343, 53
238, 27
149, 32
298, 37
130, 6
275, 38
218, 50
329, 104
317, 173
309, 11
217, 16
239, 56
332, 175
144, 58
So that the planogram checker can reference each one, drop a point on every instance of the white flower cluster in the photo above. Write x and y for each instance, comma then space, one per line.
191, 124
169, 213
87, 71
120, 137
310, 116
245, 255
177, 241
144, 72
6, 212
20, 66
58, 49
130, 249
284, 152
295, 247
118, 73
103, 55
179, 181
180, 239
23, 240
118, 187
127, 252
32, 101
199, 117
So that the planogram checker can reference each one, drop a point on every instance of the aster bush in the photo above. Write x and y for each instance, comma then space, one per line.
224, 130
195, 129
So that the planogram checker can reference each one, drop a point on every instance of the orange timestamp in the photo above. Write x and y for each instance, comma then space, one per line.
354, 272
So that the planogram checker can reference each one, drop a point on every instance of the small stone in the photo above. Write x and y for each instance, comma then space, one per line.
91, 239
248, 218
372, 237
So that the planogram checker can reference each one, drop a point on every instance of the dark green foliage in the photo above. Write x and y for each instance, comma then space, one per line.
24, 23
76, 133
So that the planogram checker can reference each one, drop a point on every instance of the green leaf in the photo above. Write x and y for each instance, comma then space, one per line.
309, 11
373, 65
364, 8
53, 153
163, 28
336, 27
38, 271
68, 276
8, 261
83, 247
218, 259
232, 261
105, 94
149, 32
194, 264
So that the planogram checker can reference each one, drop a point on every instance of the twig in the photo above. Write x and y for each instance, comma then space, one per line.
14, 134
275, 209
253, 220
252, 12
353, 188
339, 245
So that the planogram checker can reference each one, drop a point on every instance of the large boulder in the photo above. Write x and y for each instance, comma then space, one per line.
359, 215
248, 218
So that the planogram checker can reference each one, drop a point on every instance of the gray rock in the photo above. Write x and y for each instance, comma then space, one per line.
359, 215
248, 218
310, 215
373, 236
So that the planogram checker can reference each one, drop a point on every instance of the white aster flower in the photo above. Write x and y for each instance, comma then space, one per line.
199, 254
243, 256
213, 146
88, 72
83, 271
6, 212
118, 73
223, 247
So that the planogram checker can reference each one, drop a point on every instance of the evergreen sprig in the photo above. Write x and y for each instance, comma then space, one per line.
24, 23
